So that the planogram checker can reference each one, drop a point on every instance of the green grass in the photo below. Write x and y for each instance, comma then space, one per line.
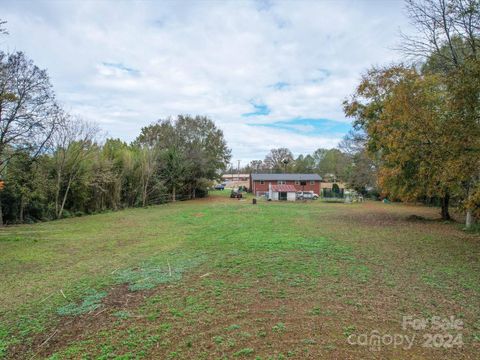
225, 278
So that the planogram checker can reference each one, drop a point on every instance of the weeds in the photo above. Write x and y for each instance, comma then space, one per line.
244, 352
279, 327
91, 302
155, 272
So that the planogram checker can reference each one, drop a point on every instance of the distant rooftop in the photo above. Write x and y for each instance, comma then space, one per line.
235, 175
287, 177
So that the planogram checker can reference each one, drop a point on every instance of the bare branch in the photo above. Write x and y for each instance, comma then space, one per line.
3, 31
27, 106
449, 30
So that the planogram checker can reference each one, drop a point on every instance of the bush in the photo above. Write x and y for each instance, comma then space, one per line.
66, 214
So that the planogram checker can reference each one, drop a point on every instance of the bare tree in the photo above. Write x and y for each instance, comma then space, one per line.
73, 144
276, 158
361, 174
256, 165
27, 107
446, 29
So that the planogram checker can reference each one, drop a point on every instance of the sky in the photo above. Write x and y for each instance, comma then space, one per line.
269, 73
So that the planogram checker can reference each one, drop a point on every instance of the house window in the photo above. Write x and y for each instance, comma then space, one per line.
262, 182
312, 182
281, 182
297, 182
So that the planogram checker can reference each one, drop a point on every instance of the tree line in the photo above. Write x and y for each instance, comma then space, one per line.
419, 120
416, 135
55, 165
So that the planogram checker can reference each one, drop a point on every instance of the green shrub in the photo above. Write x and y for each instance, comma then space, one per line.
66, 214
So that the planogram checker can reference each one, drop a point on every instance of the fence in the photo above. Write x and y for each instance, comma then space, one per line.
168, 198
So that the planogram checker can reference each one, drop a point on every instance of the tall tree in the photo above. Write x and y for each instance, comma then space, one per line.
27, 107
404, 115
464, 127
173, 168
148, 164
124, 188
256, 165
333, 162
193, 152
448, 41
280, 159
318, 156
448, 32
361, 173
304, 164
73, 145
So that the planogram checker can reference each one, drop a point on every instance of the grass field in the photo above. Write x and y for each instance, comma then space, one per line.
219, 278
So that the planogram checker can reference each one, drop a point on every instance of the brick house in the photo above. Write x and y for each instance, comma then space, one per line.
259, 183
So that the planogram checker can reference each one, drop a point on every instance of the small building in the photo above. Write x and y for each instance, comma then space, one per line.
282, 192
236, 177
260, 183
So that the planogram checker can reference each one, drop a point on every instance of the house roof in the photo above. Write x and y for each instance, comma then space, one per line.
284, 188
235, 175
286, 177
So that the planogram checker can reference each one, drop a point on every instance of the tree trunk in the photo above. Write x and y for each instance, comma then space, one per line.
173, 193
1, 214
469, 219
64, 199
144, 195
22, 207
445, 204
57, 193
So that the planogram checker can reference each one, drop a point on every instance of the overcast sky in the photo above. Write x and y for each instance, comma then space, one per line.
270, 74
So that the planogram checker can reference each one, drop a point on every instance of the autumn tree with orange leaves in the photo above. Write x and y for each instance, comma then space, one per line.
403, 114
422, 121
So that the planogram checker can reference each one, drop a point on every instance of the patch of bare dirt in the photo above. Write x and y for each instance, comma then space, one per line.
415, 218
74, 328
376, 214
270, 323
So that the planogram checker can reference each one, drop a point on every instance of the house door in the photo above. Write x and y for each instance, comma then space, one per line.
282, 196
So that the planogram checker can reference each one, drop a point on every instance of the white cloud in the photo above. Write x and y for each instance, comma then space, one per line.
126, 64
